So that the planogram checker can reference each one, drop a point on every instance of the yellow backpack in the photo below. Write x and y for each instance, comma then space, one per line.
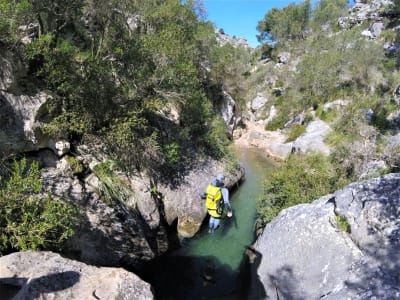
213, 200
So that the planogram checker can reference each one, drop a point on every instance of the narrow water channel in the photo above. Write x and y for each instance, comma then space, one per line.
208, 265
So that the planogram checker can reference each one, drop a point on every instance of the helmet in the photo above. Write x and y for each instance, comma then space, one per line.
220, 177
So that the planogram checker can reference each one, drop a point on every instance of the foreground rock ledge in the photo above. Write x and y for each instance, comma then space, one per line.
304, 254
47, 275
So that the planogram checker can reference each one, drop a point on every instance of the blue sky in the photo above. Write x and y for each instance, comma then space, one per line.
240, 17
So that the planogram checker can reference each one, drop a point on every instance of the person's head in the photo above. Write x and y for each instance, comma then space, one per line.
220, 179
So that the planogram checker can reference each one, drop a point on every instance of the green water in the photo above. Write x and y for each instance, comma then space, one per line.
234, 235
208, 265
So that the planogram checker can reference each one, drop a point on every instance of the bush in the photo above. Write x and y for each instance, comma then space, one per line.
301, 179
342, 223
173, 153
113, 188
76, 164
28, 219
294, 132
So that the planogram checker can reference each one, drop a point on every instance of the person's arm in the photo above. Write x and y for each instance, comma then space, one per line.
225, 195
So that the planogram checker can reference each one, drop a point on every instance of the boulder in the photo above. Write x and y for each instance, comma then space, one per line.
304, 253
313, 139
258, 102
374, 30
336, 105
47, 275
272, 114
283, 57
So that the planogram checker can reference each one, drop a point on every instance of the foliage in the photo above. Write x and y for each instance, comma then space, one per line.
106, 63
327, 12
325, 72
28, 219
294, 132
55, 15
228, 64
301, 179
288, 105
114, 189
288, 23
13, 14
75, 164
342, 223
132, 141
173, 153
217, 138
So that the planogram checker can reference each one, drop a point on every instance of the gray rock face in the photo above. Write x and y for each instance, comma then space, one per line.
223, 38
185, 205
109, 234
258, 102
313, 139
362, 11
304, 255
46, 275
18, 111
227, 110
374, 30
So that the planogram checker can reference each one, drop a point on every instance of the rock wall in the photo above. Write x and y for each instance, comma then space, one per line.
305, 254
185, 205
18, 109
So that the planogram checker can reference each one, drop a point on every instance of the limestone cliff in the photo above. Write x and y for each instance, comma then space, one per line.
341, 246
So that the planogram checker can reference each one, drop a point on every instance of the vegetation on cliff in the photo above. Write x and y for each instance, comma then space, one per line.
329, 63
29, 219
134, 74
140, 80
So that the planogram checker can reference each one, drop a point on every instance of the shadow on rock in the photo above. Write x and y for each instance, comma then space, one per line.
21, 288
285, 284
251, 286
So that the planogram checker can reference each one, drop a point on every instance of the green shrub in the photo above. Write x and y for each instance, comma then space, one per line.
294, 132
114, 189
75, 164
301, 179
28, 219
173, 153
327, 116
342, 223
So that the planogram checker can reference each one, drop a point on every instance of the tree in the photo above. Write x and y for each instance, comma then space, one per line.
289, 23
54, 15
327, 12
12, 15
